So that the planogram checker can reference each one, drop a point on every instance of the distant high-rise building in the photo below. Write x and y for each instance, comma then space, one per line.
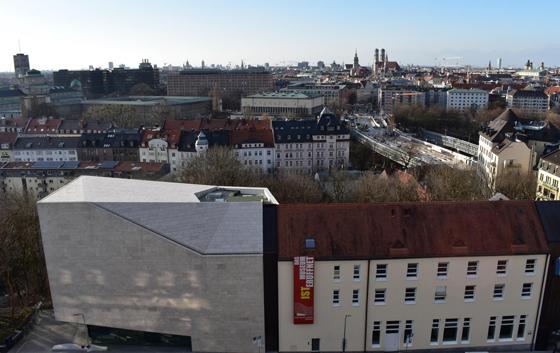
233, 84
101, 82
499, 64
321, 64
202, 64
111, 65
21, 64
356, 60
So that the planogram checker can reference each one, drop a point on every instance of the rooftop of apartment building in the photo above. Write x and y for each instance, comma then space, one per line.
302, 130
528, 94
45, 142
551, 163
510, 125
409, 230
116, 166
466, 90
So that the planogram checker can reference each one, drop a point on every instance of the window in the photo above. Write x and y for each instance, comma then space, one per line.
336, 273
315, 344
450, 331
469, 293
526, 290
379, 297
506, 328
392, 327
465, 333
491, 329
408, 334
501, 268
355, 297
472, 268
521, 327
336, 297
440, 294
530, 265
412, 271
499, 291
356, 273
435, 332
376, 334
410, 295
442, 269
310, 243
381, 272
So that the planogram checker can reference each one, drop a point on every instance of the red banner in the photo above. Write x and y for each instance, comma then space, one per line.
304, 278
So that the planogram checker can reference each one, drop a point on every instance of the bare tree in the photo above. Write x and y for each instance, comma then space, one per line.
22, 265
516, 185
293, 188
408, 155
120, 115
373, 188
450, 184
217, 166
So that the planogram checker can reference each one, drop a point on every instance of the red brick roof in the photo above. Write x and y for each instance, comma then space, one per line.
43, 126
395, 230
253, 124
552, 90
238, 137
8, 137
171, 136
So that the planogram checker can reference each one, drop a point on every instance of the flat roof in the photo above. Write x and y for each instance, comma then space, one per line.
147, 100
102, 189
284, 95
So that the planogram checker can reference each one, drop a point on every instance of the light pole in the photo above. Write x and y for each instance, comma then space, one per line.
344, 335
85, 324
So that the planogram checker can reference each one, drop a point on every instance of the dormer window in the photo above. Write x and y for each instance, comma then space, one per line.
310, 243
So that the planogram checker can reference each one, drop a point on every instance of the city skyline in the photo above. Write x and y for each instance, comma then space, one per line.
412, 32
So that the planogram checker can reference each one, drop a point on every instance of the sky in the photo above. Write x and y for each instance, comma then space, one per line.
74, 34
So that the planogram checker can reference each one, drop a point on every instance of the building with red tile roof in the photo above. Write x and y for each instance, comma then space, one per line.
410, 276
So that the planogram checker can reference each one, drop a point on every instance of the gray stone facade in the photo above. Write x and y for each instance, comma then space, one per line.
121, 273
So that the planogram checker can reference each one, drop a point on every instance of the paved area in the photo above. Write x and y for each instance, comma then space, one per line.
396, 143
47, 332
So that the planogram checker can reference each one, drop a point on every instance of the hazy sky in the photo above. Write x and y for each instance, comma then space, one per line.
77, 33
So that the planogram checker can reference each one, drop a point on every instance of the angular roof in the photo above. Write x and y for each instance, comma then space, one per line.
175, 211
410, 230
497, 128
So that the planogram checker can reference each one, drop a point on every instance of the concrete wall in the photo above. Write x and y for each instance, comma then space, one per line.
120, 274
329, 319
